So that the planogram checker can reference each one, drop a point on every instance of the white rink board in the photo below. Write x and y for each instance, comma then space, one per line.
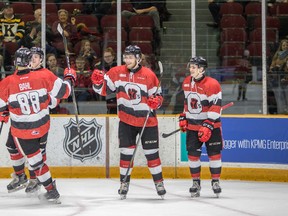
55, 147
168, 147
56, 155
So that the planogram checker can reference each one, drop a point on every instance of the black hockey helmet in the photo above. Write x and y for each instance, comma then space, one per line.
22, 57
198, 60
37, 50
133, 50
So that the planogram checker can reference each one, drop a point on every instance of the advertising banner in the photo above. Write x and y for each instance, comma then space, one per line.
251, 140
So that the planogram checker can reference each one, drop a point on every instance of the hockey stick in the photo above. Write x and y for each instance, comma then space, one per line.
61, 31
165, 135
143, 128
1, 126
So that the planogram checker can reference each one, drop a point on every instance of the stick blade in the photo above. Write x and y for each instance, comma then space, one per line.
160, 68
60, 29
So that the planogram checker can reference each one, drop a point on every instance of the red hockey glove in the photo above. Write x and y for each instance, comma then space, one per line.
97, 77
183, 123
4, 116
205, 131
70, 74
154, 102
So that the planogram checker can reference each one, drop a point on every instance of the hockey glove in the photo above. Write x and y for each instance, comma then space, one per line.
205, 131
154, 102
183, 123
97, 77
4, 116
70, 74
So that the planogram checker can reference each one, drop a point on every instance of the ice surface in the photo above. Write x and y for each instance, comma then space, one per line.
97, 197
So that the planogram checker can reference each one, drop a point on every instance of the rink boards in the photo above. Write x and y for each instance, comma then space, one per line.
255, 148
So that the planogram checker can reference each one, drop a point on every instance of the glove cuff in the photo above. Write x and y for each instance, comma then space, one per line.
182, 117
208, 124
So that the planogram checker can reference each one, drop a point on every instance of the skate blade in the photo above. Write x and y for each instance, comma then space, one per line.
217, 195
34, 193
162, 197
18, 188
43, 200
195, 194
122, 197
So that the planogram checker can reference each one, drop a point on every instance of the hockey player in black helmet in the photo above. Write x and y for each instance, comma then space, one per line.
22, 58
201, 120
37, 57
135, 87
29, 105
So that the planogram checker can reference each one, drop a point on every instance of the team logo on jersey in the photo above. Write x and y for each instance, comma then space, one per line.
90, 136
134, 93
193, 102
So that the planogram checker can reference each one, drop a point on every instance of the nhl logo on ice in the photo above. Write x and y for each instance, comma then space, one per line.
90, 135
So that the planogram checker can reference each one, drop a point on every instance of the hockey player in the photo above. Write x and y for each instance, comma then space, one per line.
26, 95
201, 121
32, 185
135, 88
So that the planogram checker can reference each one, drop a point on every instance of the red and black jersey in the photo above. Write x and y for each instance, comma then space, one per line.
132, 92
26, 95
203, 100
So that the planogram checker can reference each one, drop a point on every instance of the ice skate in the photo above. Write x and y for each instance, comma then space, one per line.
51, 196
19, 182
33, 186
195, 189
216, 187
124, 187
160, 189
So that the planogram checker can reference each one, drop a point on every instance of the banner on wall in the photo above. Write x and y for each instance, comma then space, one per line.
250, 140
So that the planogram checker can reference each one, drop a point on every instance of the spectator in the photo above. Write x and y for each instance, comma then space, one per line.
280, 57
83, 85
12, 28
108, 60
244, 75
6, 62
276, 78
214, 8
146, 7
150, 61
283, 87
53, 66
275, 74
163, 11
32, 36
105, 65
2, 68
70, 32
99, 7
146, 61
88, 53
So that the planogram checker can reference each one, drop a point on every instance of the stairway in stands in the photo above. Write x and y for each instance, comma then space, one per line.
176, 38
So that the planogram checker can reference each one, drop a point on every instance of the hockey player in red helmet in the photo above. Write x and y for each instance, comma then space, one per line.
201, 121
26, 95
136, 92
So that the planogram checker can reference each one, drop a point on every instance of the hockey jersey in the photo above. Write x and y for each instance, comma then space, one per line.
11, 28
26, 96
203, 100
132, 92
